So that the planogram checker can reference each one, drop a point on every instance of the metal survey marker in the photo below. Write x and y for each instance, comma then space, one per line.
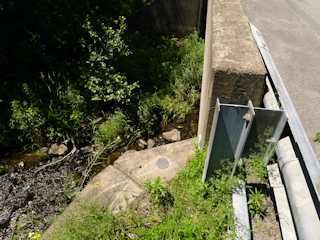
235, 127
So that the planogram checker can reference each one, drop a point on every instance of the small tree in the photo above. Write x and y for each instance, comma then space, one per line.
105, 45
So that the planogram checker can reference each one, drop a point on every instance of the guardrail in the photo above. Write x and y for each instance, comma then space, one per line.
308, 157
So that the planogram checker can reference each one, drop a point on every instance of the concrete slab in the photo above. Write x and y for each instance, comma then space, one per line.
241, 214
143, 165
285, 217
110, 187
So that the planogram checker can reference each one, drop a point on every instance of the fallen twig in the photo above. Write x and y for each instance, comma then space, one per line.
50, 164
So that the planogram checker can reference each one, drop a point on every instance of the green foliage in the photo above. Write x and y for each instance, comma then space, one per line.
256, 202
46, 116
116, 131
172, 109
104, 47
200, 211
317, 137
92, 221
28, 120
62, 71
187, 76
40, 48
158, 192
148, 112
255, 165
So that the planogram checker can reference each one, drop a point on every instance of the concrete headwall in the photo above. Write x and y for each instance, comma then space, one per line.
233, 68
169, 17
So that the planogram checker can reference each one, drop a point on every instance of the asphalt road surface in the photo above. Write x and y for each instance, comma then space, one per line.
291, 29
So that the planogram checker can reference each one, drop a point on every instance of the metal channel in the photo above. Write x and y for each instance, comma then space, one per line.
236, 127
295, 124
246, 126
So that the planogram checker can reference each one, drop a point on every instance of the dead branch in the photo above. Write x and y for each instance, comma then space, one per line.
70, 153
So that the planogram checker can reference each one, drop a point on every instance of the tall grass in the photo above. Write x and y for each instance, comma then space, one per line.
116, 131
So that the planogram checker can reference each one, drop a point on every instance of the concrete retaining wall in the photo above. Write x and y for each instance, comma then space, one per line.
233, 69
169, 17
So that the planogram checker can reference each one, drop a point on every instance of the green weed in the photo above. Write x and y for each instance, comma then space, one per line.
256, 202
158, 192
255, 163
316, 138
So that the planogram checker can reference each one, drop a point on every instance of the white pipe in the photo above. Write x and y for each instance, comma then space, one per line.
302, 207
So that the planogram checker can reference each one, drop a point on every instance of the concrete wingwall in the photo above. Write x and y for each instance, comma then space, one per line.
169, 17
233, 69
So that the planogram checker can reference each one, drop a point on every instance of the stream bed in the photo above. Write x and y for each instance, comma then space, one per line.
30, 200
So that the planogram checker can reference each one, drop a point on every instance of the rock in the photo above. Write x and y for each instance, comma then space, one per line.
151, 143
87, 149
143, 142
21, 164
173, 135
57, 149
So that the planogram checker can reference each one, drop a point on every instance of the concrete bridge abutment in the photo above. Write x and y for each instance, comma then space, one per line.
233, 68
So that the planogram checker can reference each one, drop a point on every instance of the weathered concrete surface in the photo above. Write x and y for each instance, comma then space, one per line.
142, 165
285, 218
169, 17
110, 187
237, 73
119, 185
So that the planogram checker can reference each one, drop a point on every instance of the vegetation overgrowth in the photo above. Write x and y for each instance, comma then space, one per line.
183, 208
316, 138
68, 63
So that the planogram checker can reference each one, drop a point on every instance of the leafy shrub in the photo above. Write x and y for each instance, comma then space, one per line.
172, 108
47, 115
28, 120
105, 45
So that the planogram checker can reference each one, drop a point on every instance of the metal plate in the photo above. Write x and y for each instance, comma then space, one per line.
163, 163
